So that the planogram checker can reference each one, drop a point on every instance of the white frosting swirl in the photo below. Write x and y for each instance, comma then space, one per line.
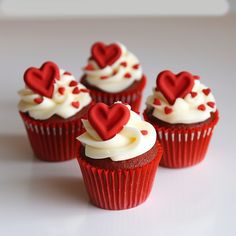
184, 110
60, 104
127, 144
115, 82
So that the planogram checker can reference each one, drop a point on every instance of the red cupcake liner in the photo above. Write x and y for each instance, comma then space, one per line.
132, 96
53, 141
119, 189
184, 147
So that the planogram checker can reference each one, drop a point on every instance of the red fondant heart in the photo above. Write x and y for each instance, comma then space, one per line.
42, 80
105, 54
174, 86
108, 120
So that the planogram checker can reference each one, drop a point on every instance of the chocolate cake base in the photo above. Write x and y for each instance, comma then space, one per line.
152, 119
132, 87
135, 162
57, 119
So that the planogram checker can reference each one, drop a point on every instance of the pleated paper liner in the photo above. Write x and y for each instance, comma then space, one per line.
119, 189
184, 147
53, 141
132, 97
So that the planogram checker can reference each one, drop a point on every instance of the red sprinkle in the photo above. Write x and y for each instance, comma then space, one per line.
144, 132
104, 77
38, 100
114, 72
168, 110
136, 66
124, 63
206, 91
67, 73
75, 104
127, 75
201, 107
89, 67
157, 102
61, 90
84, 90
76, 90
196, 77
193, 94
211, 104
73, 83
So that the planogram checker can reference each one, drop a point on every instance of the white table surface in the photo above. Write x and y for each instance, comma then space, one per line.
39, 198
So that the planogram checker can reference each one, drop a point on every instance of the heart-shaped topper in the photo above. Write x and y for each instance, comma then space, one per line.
42, 80
105, 55
174, 86
108, 120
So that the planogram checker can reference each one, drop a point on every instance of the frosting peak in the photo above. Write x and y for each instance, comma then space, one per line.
181, 98
132, 137
112, 68
45, 96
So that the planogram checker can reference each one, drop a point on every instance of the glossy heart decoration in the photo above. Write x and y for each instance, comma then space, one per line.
174, 86
42, 80
105, 55
108, 120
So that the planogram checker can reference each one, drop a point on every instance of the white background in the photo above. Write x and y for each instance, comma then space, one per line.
83, 8
38, 198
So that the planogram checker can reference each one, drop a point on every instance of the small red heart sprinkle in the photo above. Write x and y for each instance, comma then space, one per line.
127, 75
193, 94
211, 104
201, 107
75, 104
73, 83
104, 77
157, 102
38, 100
67, 73
144, 132
124, 63
61, 90
197, 77
84, 90
76, 90
89, 67
168, 110
206, 91
136, 66
114, 72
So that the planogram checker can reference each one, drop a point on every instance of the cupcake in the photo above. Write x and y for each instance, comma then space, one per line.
114, 74
184, 113
51, 106
118, 157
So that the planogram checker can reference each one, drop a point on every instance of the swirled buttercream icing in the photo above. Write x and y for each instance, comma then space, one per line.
112, 68
119, 133
51, 91
181, 98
